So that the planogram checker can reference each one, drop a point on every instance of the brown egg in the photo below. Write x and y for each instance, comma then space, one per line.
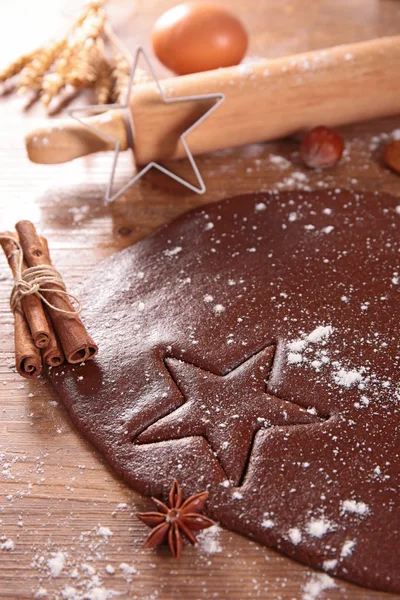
198, 36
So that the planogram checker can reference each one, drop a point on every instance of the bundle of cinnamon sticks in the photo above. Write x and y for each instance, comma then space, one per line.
47, 328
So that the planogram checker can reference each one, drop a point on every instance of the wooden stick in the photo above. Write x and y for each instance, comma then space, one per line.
267, 100
31, 305
76, 343
52, 355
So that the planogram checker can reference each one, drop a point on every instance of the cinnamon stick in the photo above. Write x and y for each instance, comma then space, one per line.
31, 305
52, 355
27, 356
76, 343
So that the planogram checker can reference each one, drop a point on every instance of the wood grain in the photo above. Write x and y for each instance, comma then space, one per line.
55, 489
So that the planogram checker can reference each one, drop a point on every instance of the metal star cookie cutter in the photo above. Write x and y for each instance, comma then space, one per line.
96, 109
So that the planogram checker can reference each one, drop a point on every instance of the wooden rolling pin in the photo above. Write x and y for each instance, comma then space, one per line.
264, 101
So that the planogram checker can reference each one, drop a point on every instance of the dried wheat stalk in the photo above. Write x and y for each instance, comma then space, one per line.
88, 56
121, 75
103, 84
16, 67
33, 73
76, 64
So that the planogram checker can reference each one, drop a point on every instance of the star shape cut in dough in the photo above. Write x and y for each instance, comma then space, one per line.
227, 410
112, 195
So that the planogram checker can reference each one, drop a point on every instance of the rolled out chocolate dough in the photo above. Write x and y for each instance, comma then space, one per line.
251, 348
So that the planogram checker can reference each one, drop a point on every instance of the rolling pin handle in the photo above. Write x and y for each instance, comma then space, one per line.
69, 139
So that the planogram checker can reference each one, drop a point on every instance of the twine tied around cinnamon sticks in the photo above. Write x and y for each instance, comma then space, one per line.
46, 325
31, 280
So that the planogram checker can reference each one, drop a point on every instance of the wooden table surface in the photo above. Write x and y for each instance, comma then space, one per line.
56, 494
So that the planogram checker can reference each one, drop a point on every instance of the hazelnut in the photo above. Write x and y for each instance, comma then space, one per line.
391, 155
321, 147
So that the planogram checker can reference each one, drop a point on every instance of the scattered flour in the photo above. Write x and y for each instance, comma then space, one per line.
79, 213
56, 563
294, 535
294, 358
319, 527
329, 564
218, 309
128, 570
267, 523
100, 593
318, 336
347, 378
279, 161
297, 345
105, 532
95, 593
311, 350
357, 508
173, 251
317, 584
347, 548
320, 333
84, 581
7, 545
237, 495
208, 540
299, 349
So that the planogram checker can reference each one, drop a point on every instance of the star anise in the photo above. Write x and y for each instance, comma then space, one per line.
176, 520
